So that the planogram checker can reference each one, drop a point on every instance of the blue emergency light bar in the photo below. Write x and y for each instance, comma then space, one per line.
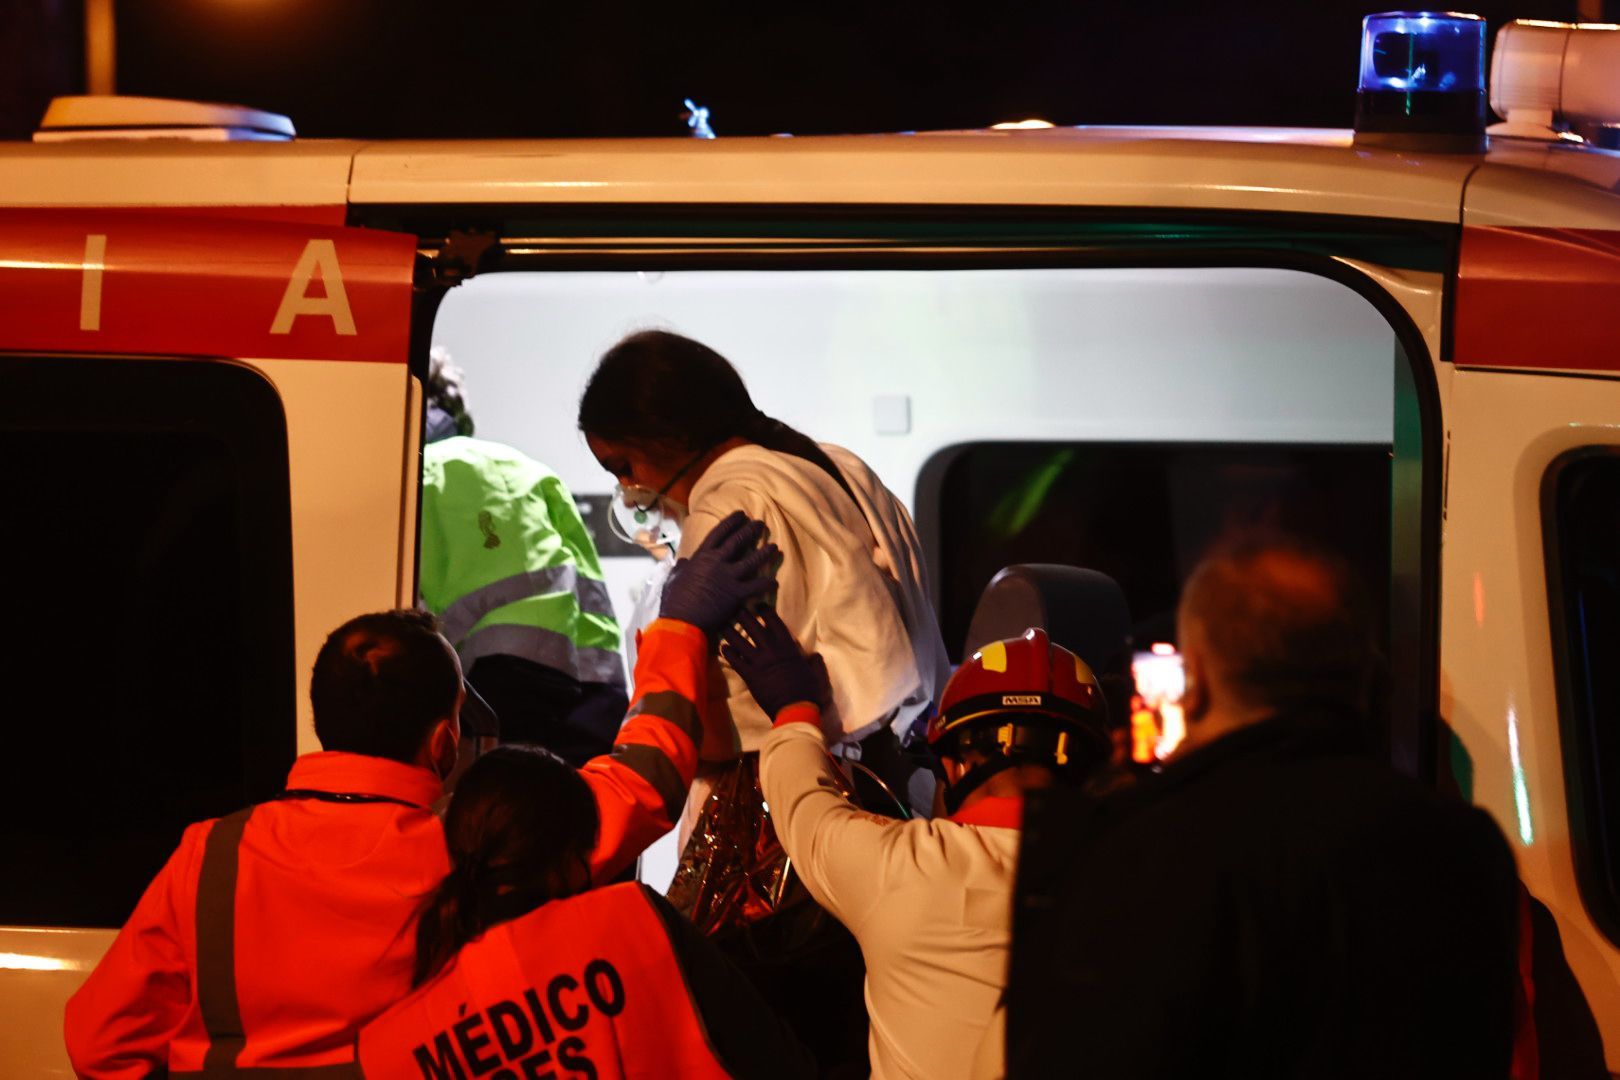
1422, 78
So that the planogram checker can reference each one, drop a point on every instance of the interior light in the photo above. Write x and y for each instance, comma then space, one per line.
1163, 648
1422, 80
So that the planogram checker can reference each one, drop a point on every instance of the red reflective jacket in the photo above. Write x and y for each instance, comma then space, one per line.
271, 935
589, 985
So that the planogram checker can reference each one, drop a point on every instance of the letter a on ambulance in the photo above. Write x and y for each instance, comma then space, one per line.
319, 259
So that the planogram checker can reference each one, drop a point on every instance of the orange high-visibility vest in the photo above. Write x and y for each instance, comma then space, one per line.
273, 933
584, 986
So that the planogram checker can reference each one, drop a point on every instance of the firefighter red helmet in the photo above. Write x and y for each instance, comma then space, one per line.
1023, 698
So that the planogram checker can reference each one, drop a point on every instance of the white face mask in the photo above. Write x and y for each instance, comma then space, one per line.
644, 517
647, 517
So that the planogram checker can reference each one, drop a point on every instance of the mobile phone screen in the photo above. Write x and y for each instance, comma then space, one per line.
1157, 724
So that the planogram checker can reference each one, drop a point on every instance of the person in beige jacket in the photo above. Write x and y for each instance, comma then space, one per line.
929, 901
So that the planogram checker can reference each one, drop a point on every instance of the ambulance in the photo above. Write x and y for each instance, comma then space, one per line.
1102, 347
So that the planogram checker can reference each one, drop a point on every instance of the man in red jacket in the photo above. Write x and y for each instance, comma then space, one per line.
273, 934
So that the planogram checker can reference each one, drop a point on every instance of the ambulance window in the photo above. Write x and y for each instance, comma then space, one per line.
1144, 513
1582, 508
149, 586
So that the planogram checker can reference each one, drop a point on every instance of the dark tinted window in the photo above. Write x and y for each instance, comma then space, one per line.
1144, 513
1582, 519
149, 657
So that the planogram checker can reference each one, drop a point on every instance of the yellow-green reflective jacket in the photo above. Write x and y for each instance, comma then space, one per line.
508, 565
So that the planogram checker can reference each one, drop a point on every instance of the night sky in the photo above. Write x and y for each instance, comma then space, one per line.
392, 68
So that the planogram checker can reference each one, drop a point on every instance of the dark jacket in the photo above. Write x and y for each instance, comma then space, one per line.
1272, 905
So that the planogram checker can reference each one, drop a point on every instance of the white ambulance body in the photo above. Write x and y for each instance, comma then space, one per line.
931, 301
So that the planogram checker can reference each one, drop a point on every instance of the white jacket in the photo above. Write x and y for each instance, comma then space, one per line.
851, 587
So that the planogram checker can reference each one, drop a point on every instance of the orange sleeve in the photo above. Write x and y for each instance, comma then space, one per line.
119, 1024
641, 786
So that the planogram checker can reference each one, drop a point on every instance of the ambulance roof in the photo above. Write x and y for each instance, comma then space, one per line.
1256, 169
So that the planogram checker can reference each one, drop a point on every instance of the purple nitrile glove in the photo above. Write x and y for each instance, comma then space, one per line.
762, 650
710, 588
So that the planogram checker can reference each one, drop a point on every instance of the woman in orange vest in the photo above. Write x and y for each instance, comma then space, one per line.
522, 972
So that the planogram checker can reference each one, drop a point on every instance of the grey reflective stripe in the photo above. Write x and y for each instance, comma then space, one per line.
669, 705
343, 1071
654, 766
216, 967
593, 597
460, 617
548, 647
216, 942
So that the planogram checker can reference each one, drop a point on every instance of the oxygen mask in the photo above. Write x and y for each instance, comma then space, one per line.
649, 518
645, 517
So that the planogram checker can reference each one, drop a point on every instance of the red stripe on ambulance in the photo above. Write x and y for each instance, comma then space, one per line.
114, 281
1538, 298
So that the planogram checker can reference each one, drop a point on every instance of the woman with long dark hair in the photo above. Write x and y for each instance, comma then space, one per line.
522, 970
673, 422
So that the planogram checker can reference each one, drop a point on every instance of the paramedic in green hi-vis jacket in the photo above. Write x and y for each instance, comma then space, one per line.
510, 569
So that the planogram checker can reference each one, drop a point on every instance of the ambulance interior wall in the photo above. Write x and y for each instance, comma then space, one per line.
901, 366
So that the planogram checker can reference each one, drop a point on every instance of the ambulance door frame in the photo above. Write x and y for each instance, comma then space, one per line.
456, 242
463, 255
428, 294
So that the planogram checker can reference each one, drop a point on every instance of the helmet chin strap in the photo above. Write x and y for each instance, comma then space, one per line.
957, 793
